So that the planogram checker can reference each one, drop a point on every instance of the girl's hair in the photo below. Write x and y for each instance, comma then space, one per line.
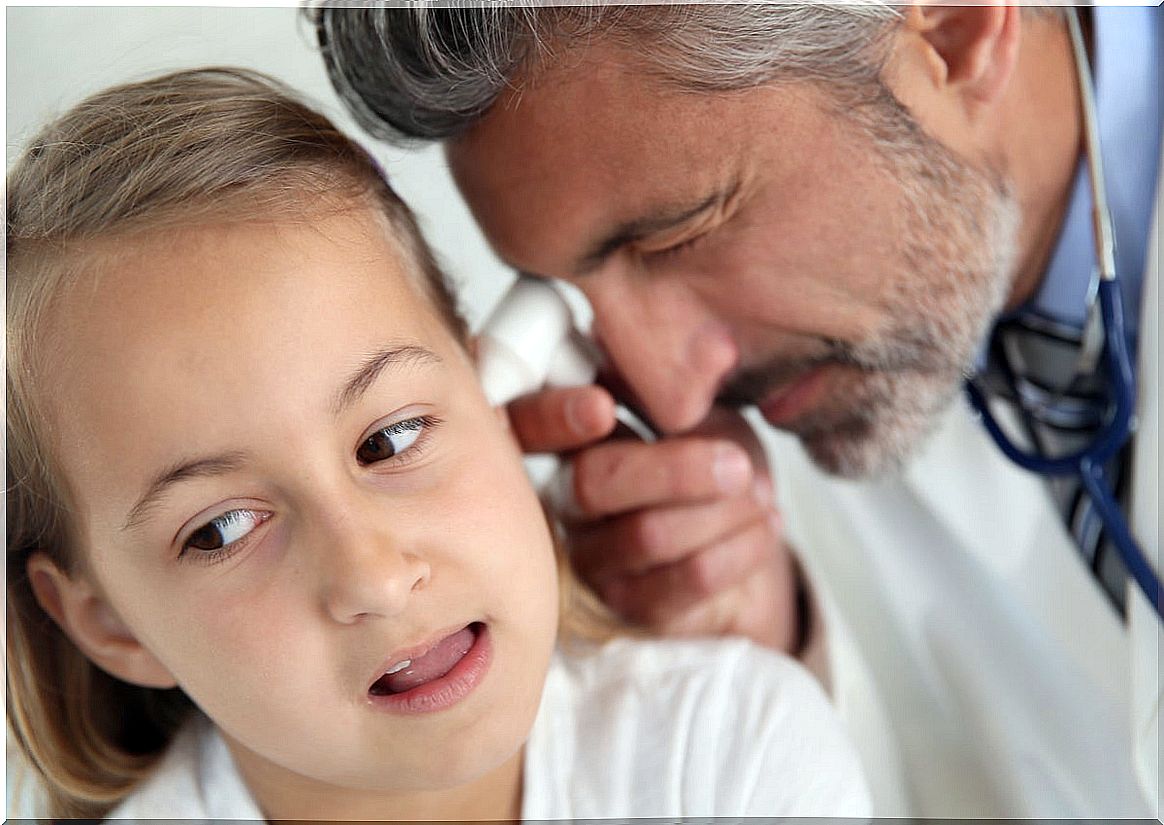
193, 146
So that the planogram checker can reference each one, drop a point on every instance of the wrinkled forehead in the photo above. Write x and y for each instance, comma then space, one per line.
596, 142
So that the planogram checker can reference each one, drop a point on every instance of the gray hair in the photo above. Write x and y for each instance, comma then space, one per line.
429, 73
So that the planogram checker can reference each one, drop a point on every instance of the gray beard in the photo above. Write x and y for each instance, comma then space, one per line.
959, 251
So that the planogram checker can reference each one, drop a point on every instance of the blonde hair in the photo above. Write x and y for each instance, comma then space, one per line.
186, 147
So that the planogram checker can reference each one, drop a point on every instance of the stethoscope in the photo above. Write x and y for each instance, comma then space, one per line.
1103, 337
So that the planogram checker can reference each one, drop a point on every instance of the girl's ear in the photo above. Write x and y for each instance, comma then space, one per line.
473, 344
83, 613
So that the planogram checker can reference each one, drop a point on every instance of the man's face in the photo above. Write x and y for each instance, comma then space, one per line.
756, 246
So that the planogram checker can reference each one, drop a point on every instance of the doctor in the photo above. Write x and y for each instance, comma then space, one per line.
834, 214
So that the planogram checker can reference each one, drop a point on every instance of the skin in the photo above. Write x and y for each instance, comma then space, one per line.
235, 339
758, 247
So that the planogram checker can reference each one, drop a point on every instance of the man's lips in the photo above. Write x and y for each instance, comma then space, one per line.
787, 403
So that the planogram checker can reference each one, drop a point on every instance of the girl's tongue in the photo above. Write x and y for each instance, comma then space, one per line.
432, 665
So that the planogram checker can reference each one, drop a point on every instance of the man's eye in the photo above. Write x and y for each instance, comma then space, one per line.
388, 442
223, 533
670, 249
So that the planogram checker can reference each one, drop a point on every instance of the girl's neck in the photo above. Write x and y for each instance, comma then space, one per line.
283, 796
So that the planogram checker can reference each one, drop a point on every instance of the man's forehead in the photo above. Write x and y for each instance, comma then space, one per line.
552, 164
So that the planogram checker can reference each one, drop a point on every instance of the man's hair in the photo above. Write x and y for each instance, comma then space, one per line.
429, 73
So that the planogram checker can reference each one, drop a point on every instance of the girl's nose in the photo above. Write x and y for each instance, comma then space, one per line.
366, 573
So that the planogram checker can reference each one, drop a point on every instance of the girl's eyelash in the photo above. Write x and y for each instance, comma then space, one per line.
228, 549
422, 425
410, 424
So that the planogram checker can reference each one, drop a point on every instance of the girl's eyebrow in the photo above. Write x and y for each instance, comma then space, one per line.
373, 365
364, 376
200, 468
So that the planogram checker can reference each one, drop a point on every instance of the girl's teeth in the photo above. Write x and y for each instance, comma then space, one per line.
399, 666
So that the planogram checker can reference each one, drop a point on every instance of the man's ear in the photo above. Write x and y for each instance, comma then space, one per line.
972, 49
83, 613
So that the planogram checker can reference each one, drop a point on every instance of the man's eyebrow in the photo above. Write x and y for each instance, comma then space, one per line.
199, 468
632, 230
375, 364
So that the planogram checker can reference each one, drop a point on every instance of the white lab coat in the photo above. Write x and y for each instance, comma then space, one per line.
1147, 634
980, 668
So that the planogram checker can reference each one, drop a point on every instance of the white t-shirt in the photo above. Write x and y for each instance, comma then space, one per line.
633, 728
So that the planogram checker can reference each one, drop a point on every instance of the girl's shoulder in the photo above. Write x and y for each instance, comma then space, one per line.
195, 780
682, 664
662, 728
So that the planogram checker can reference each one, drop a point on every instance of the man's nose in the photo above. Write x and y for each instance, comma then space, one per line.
366, 567
666, 345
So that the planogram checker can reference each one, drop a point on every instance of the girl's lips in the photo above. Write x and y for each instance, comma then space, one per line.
788, 403
448, 689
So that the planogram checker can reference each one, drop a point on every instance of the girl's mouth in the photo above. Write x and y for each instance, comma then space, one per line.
439, 677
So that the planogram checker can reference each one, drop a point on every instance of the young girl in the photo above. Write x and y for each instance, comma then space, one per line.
270, 552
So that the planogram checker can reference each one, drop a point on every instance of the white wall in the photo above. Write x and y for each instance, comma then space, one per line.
56, 56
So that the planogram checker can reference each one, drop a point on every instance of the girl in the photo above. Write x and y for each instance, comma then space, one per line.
293, 567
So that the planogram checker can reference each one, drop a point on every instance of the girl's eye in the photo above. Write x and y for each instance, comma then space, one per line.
392, 440
224, 534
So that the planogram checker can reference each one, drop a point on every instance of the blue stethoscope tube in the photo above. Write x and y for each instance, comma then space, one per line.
1089, 462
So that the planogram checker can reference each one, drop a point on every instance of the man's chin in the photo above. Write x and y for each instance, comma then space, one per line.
870, 446
852, 459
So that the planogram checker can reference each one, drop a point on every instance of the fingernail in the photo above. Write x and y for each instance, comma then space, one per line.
762, 491
574, 416
579, 415
732, 469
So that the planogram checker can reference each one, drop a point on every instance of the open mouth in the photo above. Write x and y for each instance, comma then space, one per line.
439, 676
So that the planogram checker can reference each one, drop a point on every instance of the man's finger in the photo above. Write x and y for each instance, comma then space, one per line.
564, 418
638, 541
621, 476
667, 592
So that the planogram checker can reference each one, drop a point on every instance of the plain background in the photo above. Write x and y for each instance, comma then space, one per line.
55, 56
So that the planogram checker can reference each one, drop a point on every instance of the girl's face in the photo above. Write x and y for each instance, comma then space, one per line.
286, 484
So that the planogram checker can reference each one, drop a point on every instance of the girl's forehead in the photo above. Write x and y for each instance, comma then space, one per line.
241, 289
172, 277
204, 332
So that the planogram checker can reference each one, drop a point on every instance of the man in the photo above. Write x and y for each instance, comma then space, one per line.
823, 212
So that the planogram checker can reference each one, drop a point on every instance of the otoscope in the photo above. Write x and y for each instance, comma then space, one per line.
530, 341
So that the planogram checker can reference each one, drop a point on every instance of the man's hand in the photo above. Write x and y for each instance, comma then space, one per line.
681, 536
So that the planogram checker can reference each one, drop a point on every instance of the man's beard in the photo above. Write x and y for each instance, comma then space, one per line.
958, 253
